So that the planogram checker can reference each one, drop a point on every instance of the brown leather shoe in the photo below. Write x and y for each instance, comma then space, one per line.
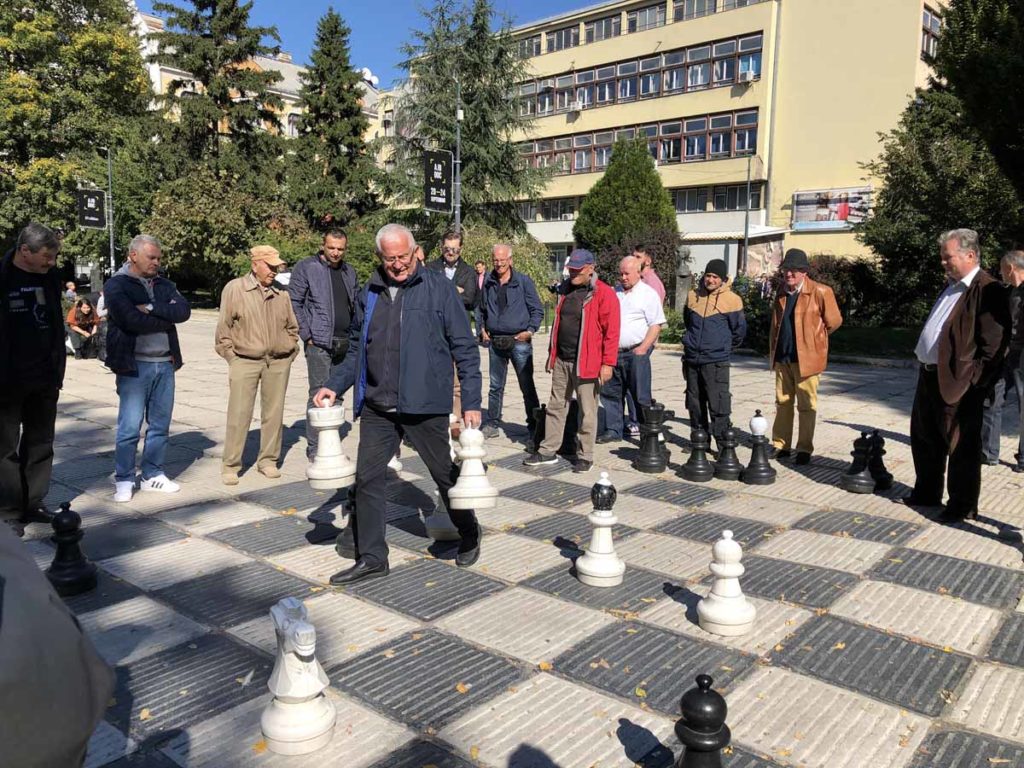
269, 471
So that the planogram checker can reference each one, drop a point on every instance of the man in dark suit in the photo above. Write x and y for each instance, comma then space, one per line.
960, 350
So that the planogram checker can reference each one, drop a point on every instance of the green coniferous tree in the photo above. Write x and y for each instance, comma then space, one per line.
329, 176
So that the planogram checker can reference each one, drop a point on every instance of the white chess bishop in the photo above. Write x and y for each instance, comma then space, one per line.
300, 718
726, 611
438, 524
330, 468
600, 566
472, 490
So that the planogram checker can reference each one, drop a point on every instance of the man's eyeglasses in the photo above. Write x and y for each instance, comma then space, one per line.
403, 257
449, 249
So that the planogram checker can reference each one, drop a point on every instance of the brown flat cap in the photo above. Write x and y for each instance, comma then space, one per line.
266, 253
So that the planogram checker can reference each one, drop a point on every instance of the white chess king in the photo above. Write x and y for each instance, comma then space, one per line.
726, 611
330, 468
599, 566
300, 718
472, 490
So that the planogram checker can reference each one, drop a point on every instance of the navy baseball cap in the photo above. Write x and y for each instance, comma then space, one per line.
579, 258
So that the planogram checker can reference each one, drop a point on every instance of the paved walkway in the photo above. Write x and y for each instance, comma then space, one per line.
882, 639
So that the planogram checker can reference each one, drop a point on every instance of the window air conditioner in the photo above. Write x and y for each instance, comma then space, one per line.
576, 106
746, 77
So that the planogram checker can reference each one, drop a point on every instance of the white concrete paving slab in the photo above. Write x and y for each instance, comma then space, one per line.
977, 542
992, 701
211, 516
133, 629
166, 564
515, 558
319, 563
823, 550
679, 558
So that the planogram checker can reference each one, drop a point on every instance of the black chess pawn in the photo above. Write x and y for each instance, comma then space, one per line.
540, 418
759, 471
857, 479
70, 573
653, 456
697, 468
701, 729
876, 463
728, 466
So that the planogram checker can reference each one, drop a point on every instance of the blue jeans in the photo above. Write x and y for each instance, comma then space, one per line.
1011, 379
521, 356
632, 375
149, 396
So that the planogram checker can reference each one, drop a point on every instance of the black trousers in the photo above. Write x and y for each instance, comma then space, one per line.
379, 434
708, 399
26, 448
932, 425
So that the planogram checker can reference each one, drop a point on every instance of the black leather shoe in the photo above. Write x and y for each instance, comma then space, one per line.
951, 517
779, 454
803, 458
913, 500
361, 570
38, 515
469, 550
608, 437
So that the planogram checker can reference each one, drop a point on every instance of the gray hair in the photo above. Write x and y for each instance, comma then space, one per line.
140, 240
1015, 259
966, 240
36, 237
506, 246
391, 230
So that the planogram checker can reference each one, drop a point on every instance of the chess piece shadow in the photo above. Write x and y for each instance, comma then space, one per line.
526, 756
640, 746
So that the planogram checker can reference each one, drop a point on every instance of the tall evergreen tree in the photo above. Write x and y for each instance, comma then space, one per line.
329, 176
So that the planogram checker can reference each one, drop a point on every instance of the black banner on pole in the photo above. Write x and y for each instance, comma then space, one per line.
437, 181
91, 209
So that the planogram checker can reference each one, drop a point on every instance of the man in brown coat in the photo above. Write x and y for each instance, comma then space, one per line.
257, 334
960, 350
803, 316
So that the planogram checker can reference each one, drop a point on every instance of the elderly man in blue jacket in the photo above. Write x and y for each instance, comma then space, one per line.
408, 326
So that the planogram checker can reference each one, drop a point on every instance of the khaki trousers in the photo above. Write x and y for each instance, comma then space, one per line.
244, 377
789, 386
564, 383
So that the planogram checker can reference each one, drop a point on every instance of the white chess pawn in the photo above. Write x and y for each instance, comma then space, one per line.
330, 468
438, 524
600, 566
472, 490
300, 718
726, 611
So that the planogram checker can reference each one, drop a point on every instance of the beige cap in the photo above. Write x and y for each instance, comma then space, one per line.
266, 253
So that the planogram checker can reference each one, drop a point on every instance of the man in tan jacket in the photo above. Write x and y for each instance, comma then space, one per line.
803, 316
257, 334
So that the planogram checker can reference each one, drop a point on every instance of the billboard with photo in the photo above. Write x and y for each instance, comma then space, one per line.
830, 209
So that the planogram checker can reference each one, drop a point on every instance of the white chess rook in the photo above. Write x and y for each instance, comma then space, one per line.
330, 468
300, 718
600, 566
472, 490
726, 611
438, 524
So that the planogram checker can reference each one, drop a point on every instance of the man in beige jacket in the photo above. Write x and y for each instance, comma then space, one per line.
257, 334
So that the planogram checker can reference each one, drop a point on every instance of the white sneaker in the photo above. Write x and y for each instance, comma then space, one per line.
395, 464
161, 484
123, 491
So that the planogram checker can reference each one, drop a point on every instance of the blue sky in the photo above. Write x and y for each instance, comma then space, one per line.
376, 37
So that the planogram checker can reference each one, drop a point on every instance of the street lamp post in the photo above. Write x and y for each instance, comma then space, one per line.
746, 218
458, 155
110, 206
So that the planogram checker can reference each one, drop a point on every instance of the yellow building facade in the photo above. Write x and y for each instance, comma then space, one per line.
792, 93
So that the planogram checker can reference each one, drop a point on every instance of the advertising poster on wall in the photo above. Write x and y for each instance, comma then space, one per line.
830, 210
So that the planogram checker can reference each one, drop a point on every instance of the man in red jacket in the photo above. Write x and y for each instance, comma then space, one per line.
583, 350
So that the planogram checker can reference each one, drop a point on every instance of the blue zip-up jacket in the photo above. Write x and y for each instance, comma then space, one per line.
435, 330
715, 325
313, 298
523, 311
122, 295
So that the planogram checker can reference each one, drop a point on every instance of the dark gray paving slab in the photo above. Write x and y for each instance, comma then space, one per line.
568, 530
515, 463
639, 588
144, 759
185, 684
960, 749
1008, 644
84, 468
549, 493
418, 754
977, 582
649, 665
121, 536
410, 533
109, 590
883, 666
270, 537
676, 492
841, 522
234, 595
426, 679
795, 583
426, 589
418, 494
708, 527
741, 758
297, 495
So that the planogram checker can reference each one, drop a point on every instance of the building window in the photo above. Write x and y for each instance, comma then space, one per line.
561, 39
646, 18
692, 200
528, 99
529, 47
734, 197
930, 34
602, 29
692, 9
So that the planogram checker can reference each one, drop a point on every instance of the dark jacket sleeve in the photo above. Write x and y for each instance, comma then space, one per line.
464, 351
738, 326
175, 309
468, 284
992, 332
344, 376
123, 313
298, 287
533, 304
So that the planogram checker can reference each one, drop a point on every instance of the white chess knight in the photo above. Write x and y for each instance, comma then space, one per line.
300, 718
472, 490
726, 611
438, 524
600, 566
330, 468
